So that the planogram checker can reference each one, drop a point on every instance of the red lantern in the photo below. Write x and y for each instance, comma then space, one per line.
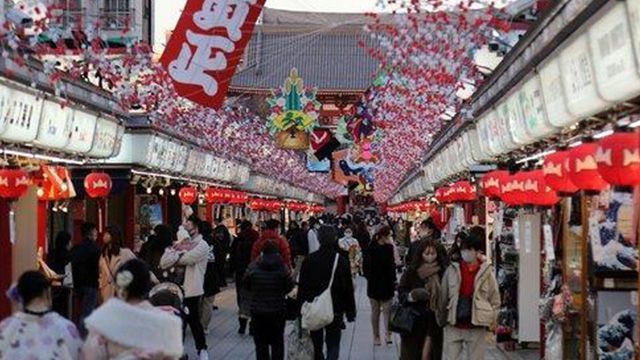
212, 195
98, 185
512, 192
556, 172
491, 183
519, 194
13, 183
188, 195
583, 169
449, 195
618, 158
537, 191
464, 191
440, 194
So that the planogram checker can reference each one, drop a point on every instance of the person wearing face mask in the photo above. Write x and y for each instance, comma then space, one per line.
427, 231
35, 331
425, 273
350, 247
192, 252
312, 235
469, 302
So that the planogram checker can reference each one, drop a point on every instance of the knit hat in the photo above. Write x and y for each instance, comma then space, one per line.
418, 295
182, 234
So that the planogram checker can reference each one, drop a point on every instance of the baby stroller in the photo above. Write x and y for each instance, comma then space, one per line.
170, 297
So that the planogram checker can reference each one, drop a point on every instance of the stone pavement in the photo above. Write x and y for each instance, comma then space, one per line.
226, 344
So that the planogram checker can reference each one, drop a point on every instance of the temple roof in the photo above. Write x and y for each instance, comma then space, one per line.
323, 47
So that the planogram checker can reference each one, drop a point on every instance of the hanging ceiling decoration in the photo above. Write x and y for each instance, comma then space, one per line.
426, 57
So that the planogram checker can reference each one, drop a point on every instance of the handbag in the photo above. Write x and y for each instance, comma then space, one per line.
299, 344
403, 319
463, 310
319, 313
174, 274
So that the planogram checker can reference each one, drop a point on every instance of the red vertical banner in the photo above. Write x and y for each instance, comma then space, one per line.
207, 45
43, 212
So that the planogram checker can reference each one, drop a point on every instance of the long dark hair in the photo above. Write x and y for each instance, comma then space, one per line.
383, 232
163, 238
417, 261
113, 247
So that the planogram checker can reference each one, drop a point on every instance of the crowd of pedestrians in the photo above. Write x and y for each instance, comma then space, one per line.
440, 301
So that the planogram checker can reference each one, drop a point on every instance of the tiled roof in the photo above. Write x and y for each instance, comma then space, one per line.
325, 57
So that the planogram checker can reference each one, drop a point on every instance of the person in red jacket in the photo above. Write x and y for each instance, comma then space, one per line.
271, 234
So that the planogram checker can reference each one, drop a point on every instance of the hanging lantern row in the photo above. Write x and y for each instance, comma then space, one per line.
461, 191
258, 204
225, 196
411, 206
13, 183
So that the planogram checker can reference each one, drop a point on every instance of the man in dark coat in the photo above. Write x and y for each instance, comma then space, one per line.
84, 265
269, 281
240, 260
315, 275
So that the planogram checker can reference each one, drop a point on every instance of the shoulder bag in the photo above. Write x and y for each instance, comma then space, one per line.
319, 313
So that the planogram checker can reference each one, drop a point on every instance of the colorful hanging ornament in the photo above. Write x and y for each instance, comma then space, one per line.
294, 113
98, 184
491, 183
618, 158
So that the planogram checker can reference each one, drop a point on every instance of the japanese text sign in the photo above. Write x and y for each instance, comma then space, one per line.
207, 45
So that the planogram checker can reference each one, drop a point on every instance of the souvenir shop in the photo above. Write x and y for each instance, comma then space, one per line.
549, 166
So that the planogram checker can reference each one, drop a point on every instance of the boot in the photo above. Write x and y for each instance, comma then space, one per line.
243, 326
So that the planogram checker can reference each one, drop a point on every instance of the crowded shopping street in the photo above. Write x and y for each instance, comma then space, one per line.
319, 180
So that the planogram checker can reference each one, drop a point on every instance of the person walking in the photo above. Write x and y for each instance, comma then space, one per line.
297, 242
85, 258
361, 234
427, 231
192, 253
313, 244
469, 302
128, 326
222, 247
240, 260
351, 248
113, 255
269, 282
271, 234
35, 331
59, 260
380, 272
315, 275
424, 273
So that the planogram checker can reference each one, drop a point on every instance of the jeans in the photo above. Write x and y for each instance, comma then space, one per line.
88, 298
193, 319
268, 335
378, 307
331, 335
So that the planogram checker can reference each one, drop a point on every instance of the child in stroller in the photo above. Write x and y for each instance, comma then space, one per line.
169, 296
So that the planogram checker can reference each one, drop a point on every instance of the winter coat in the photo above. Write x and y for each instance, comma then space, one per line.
412, 344
486, 296
380, 271
241, 251
269, 282
271, 235
315, 274
26, 336
298, 242
118, 330
312, 241
108, 269
212, 282
84, 264
195, 261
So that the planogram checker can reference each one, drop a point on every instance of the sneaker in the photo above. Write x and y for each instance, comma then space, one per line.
377, 341
203, 355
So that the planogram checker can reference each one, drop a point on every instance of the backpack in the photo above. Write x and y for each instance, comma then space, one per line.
319, 313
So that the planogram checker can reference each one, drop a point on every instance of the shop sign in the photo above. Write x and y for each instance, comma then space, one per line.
156, 151
579, 80
55, 125
104, 138
613, 58
533, 111
20, 115
553, 94
207, 45
83, 128
178, 158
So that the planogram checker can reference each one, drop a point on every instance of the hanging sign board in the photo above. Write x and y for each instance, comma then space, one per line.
578, 79
553, 94
512, 112
55, 125
104, 138
533, 111
633, 18
156, 151
117, 145
613, 58
20, 115
207, 45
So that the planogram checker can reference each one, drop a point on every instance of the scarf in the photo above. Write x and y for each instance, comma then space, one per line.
429, 274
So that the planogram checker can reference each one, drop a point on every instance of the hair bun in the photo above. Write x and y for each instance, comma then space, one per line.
124, 279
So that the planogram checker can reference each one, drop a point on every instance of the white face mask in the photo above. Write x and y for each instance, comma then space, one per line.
348, 234
469, 256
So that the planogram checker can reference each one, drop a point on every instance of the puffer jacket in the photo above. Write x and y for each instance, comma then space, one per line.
194, 260
269, 282
486, 296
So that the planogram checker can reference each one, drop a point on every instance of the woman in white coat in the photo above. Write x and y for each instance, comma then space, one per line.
113, 255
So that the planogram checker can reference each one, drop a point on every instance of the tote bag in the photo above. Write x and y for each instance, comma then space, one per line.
319, 313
